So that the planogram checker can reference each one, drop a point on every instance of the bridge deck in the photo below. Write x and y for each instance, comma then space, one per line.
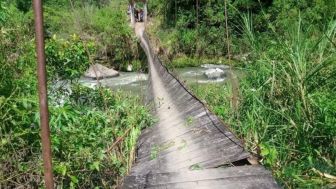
189, 147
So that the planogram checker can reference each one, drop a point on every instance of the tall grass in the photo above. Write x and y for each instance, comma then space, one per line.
287, 111
247, 30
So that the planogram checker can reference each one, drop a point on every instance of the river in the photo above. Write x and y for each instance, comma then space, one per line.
136, 83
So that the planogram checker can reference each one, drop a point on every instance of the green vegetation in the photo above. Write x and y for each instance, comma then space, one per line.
68, 59
103, 23
196, 29
93, 130
286, 52
285, 108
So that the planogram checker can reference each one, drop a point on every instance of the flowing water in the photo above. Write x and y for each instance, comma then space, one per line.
136, 83
126, 81
196, 74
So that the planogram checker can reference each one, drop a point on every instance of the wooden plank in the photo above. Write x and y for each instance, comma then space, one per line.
196, 132
204, 157
230, 177
206, 174
197, 120
186, 145
191, 132
251, 182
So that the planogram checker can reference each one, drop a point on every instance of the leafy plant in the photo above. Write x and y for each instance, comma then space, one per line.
68, 59
3, 13
282, 114
93, 131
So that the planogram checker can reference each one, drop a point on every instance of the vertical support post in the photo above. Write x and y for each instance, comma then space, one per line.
227, 31
43, 96
175, 18
233, 77
145, 12
132, 13
197, 12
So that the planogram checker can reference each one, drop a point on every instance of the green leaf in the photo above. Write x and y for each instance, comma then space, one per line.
74, 179
95, 166
61, 169
264, 150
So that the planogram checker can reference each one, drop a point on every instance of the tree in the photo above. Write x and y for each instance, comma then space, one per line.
3, 13
24, 5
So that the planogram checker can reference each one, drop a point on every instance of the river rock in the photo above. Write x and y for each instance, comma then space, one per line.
214, 73
98, 71
214, 66
129, 68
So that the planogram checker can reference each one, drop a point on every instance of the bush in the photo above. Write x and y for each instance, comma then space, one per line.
107, 26
283, 114
3, 13
68, 59
82, 132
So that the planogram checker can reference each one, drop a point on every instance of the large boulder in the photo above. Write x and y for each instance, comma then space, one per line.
98, 71
214, 73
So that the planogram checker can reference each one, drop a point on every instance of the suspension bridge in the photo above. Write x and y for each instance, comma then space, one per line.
189, 147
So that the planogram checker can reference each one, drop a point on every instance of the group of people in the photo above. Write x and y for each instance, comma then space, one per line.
138, 13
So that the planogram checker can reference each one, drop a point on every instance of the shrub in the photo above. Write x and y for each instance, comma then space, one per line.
3, 13
81, 134
68, 59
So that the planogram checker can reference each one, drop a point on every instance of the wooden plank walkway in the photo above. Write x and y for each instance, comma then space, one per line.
189, 147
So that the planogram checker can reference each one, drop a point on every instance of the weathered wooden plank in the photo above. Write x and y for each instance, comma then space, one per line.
200, 131
251, 182
206, 174
199, 124
230, 177
192, 112
185, 145
156, 130
203, 157
196, 132
145, 145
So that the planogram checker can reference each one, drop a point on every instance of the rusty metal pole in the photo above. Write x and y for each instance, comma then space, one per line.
43, 96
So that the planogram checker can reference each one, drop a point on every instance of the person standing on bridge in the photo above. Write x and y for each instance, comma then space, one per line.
141, 14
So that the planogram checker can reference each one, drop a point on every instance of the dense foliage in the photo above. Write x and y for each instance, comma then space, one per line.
93, 131
197, 28
284, 50
285, 53
68, 59
25, 6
